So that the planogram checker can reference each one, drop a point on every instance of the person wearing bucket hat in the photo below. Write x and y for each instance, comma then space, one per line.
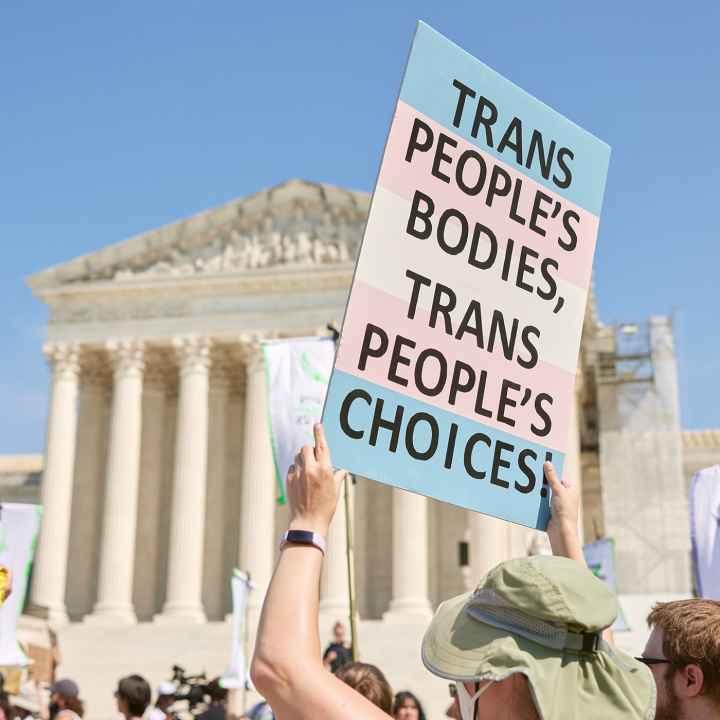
530, 636
527, 644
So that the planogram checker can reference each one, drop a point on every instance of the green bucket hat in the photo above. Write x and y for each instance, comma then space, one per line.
543, 617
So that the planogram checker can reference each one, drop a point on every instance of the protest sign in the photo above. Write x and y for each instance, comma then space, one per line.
705, 529
298, 371
235, 677
19, 527
456, 366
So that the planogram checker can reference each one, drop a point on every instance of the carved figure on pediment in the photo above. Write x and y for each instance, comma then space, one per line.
214, 264
275, 248
228, 257
304, 249
319, 251
343, 252
287, 256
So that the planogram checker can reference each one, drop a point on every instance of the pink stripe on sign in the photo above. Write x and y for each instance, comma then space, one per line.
377, 307
403, 178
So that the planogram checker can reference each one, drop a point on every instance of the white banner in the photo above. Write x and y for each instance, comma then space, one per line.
298, 372
19, 525
236, 674
600, 559
705, 525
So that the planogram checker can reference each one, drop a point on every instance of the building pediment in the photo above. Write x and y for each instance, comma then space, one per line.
294, 225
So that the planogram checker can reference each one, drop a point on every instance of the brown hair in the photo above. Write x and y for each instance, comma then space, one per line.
135, 691
75, 704
369, 681
691, 636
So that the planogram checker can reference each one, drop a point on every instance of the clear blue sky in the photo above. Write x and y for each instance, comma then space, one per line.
119, 117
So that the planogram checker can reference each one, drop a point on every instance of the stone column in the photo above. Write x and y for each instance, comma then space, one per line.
259, 488
215, 579
410, 559
48, 591
151, 507
88, 486
233, 476
489, 544
334, 598
117, 548
187, 524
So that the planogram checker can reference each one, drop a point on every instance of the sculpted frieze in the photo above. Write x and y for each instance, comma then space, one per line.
298, 236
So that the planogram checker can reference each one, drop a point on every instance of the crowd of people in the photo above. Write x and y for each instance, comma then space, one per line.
133, 696
133, 700
531, 642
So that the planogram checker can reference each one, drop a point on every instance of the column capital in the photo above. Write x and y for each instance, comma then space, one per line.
192, 353
63, 358
251, 351
127, 355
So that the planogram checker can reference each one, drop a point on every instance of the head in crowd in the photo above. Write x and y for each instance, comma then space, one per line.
217, 693
165, 695
683, 652
369, 681
407, 707
527, 645
339, 633
6, 711
133, 696
65, 698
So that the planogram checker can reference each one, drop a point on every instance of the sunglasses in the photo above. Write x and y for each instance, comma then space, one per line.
652, 661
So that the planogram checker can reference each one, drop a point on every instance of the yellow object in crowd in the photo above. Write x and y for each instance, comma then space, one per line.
5, 583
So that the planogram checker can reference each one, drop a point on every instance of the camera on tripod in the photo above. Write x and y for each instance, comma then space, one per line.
190, 688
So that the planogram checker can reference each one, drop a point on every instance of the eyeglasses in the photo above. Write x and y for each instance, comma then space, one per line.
652, 661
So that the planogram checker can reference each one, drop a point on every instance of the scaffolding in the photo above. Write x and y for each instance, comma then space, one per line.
624, 355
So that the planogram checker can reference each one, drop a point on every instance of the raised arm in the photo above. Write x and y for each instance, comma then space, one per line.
287, 667
562, 529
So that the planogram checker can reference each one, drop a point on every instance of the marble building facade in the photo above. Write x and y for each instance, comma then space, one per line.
158, 473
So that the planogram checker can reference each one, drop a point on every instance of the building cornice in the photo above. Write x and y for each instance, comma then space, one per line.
705, 439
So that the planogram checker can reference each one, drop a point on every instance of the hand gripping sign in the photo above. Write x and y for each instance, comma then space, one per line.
455, 373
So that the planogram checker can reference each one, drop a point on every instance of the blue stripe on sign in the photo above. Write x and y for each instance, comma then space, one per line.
430, 477
435, 62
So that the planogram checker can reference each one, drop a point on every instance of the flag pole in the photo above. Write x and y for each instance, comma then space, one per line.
246, 646
351, 569
349, 550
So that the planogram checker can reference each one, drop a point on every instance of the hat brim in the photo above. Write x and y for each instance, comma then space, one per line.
564, 684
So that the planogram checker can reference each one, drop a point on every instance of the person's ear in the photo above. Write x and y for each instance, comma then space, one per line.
692, 680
